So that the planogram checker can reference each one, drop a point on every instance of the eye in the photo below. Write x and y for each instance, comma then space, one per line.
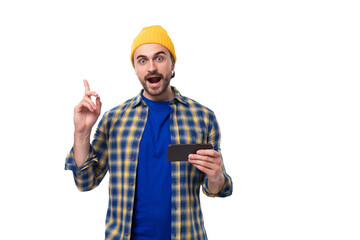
159, 58
142, 61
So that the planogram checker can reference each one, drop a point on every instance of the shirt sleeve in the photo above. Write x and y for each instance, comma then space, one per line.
214, 138
90, 174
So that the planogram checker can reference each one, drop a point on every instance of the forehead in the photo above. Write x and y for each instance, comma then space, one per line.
150, 49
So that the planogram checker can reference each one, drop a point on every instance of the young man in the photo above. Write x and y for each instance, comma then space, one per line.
149, 197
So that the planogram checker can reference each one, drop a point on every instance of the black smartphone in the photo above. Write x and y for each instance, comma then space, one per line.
180, 152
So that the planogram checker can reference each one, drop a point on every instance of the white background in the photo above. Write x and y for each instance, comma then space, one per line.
281, 76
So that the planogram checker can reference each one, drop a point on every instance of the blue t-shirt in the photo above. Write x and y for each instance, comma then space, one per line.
152, 210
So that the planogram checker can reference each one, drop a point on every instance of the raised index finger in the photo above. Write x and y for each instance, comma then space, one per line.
87, 87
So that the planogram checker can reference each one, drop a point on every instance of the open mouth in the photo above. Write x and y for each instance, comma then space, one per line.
155, 79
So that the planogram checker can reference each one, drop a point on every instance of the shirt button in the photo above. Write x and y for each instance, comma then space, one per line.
143, 118
126, 234
131, 184
137, 136
133, 159
129, 208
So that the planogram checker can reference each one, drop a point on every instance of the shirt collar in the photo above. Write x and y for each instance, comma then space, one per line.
178, 97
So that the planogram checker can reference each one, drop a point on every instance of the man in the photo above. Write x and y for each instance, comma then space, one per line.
149, 197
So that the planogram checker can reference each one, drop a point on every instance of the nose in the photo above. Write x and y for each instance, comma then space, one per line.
152, 66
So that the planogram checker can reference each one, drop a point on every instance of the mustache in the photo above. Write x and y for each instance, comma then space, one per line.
153, 73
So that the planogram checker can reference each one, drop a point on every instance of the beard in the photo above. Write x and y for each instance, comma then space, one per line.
162, 88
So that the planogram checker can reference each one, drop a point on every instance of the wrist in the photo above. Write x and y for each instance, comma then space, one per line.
81, 147
82, 137
216, 183
219, 177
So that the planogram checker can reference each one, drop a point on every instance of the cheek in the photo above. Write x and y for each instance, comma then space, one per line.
167, 68
140, 73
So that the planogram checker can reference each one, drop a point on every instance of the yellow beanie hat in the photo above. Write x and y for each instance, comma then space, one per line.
153, 34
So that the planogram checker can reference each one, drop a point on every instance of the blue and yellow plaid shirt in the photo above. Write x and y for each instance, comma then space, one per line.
115, 148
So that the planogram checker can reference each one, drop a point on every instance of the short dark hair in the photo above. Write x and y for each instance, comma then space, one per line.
173, 62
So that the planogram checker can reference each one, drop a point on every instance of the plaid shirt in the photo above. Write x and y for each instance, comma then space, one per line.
115, 148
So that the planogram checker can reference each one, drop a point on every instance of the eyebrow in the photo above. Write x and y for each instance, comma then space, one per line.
158, 53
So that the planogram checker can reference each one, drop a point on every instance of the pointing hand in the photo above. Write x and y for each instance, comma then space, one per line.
87, 112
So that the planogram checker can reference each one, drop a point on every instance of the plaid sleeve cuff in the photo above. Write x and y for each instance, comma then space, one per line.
70, 163
225, 191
